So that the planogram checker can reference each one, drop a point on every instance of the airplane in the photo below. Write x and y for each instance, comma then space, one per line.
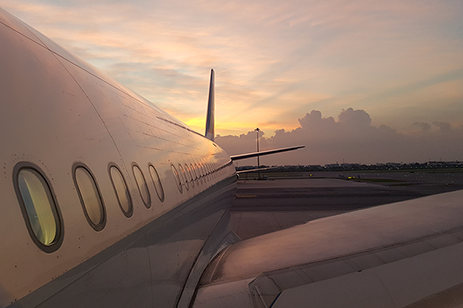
108, 201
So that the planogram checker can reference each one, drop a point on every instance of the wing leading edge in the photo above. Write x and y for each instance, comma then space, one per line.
262, 153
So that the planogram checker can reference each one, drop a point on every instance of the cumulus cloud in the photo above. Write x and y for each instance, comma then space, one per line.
443, 126
356, 119
314, 120
425, 127
352, 138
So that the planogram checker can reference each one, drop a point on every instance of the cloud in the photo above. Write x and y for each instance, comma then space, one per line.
356, 119
314, 121
444, 127
351, 139
425, 127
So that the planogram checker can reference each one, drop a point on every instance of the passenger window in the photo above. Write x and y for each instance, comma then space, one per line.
190, 176
184, 177
90, 197
196, 173
177, 178
200, 175
193, 168
203, 172
121, 190
157, 182
142, 187
38, 206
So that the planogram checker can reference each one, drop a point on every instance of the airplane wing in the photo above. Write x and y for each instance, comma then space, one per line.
262, 153
405, 254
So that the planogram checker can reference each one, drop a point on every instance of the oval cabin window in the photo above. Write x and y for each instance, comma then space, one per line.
190, 176
195, 174
90, 197
184, 177
142, 187
39, 207
198, 174
177, 178
121, 190
157, 182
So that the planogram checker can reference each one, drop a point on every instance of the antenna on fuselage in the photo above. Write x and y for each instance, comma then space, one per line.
210, 110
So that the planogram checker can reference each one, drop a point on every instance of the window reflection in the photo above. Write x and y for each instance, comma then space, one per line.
39, 206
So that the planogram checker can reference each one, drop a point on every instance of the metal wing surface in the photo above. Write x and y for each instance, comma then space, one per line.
405, 254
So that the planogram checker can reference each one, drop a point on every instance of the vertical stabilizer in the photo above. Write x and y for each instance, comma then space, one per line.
210, 110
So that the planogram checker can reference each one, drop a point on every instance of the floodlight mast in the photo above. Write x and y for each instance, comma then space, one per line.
257, 141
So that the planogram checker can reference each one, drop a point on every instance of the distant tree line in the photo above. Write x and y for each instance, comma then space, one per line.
360, 167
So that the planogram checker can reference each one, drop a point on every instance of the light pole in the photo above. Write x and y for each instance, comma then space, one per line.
257, 141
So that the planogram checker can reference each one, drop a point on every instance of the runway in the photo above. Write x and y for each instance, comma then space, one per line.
270, 205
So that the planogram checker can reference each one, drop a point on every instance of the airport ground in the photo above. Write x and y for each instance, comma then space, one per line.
285, 199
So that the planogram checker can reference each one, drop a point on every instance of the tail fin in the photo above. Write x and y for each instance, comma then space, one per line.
210, 110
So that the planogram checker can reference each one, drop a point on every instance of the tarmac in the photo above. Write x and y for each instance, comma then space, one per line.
286, 200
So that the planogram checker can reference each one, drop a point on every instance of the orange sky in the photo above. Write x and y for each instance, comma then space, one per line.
399, 61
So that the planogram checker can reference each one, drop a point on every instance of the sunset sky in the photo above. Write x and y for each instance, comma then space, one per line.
355, 81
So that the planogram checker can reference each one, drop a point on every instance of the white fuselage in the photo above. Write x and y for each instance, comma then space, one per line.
58, 113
